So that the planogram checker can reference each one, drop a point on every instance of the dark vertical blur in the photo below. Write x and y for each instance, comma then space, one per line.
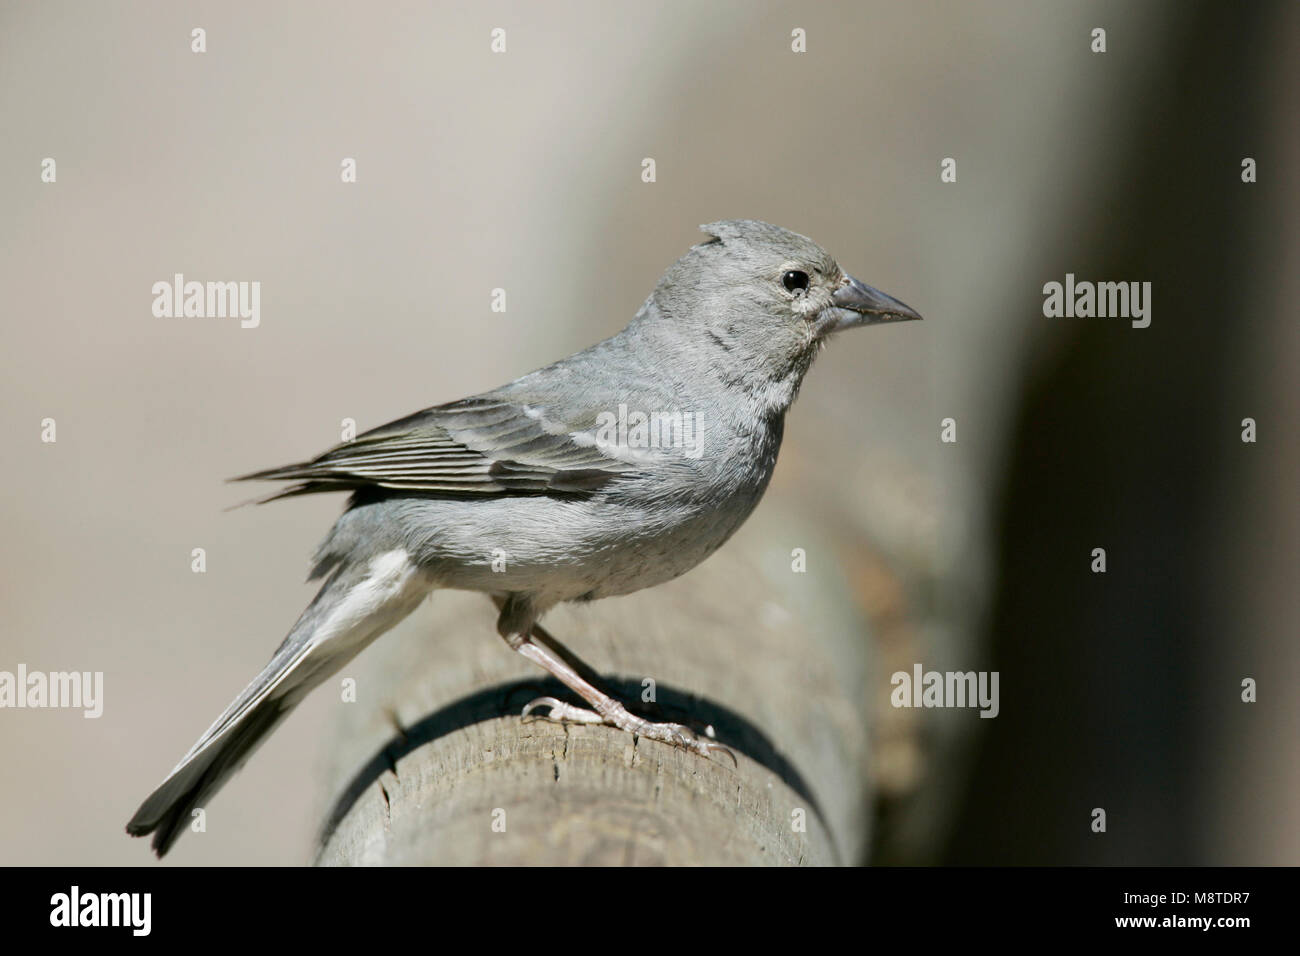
1117, 687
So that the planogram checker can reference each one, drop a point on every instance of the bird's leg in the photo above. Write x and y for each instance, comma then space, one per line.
536, 644
605, 709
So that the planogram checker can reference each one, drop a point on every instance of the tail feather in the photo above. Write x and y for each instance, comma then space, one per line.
167, 810
354, 606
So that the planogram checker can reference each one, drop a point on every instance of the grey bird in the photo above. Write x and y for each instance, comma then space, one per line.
612, 470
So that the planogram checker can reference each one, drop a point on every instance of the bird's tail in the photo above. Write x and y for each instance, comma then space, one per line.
357, 603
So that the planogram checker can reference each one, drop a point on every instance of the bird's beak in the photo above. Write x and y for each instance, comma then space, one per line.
856, 303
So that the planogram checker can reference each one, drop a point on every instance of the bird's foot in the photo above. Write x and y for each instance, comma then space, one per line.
560, 712
616, 715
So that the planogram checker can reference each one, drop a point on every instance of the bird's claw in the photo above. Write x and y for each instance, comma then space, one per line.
561, 712
701, 745
678, 735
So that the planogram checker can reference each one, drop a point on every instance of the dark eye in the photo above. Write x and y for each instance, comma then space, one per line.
795, 281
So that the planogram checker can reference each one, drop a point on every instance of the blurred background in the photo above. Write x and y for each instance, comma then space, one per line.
522, 170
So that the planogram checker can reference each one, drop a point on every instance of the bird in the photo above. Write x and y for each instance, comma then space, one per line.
615, 469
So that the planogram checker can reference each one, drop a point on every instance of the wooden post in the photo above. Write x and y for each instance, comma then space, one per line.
433, 765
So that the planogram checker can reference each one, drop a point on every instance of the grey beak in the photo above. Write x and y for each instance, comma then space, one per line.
856, 303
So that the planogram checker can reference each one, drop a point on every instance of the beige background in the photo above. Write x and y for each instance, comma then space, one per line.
522, 171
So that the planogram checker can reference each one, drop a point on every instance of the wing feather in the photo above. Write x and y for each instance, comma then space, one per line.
478, 446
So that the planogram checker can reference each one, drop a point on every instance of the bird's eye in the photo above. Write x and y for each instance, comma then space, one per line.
795, 281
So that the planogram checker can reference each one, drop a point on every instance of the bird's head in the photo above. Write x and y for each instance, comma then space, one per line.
763, 298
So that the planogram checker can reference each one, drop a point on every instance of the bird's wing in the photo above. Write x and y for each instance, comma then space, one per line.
489, 445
